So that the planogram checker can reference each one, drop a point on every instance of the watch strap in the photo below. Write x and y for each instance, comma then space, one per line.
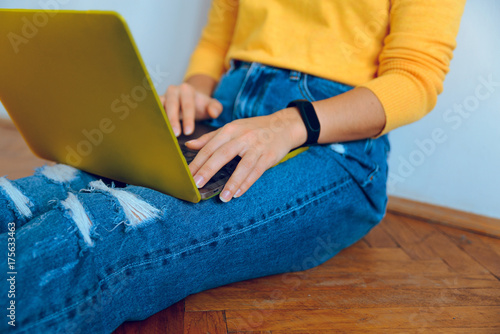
310, 119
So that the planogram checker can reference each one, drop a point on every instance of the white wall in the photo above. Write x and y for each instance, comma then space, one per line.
166, 31
463, 171
459, 168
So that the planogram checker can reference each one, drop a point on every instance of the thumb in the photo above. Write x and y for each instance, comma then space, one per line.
214, 108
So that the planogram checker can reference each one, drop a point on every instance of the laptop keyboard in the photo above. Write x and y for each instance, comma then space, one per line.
221, 177
188, 153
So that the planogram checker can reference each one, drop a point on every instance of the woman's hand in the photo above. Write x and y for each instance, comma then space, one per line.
187, 103
261, 142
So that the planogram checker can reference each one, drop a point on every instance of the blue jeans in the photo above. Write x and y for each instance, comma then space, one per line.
89, 257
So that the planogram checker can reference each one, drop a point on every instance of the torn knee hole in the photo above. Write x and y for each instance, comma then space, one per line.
59, 173
20, 202
135, 209
76, 212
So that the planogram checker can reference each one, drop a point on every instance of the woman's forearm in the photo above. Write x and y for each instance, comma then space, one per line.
356, 114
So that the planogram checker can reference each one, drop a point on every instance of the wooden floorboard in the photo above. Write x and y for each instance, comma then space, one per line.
445, 216
483, 250
213, 322
405, 276
379, 238
365, 318
353, 330
170, 320
427, 241
16, 159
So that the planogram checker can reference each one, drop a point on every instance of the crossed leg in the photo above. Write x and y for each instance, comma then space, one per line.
99, 257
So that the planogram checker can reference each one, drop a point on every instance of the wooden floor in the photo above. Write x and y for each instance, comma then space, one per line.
406, 276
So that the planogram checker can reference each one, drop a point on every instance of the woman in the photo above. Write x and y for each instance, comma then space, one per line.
367, 67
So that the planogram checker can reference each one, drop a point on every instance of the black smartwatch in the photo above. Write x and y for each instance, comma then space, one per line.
310, 119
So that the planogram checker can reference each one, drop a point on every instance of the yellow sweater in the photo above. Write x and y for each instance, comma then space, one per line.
399, 49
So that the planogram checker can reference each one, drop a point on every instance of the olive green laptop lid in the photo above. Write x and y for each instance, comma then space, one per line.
76, 88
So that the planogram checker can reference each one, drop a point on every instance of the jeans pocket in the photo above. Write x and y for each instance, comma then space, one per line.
314, 88
216, 91
225, 78
356, 158
227, 91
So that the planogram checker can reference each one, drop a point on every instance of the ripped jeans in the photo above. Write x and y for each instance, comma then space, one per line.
89, 256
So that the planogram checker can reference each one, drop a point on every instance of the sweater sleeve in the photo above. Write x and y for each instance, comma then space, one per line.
208, 57
415, 58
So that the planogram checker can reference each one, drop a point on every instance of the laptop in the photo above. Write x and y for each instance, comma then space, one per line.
75, 86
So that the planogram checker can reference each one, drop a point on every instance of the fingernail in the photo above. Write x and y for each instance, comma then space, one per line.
177, 131
216, 111
226, 196
189, 141
198, 179
238, 192
188, 130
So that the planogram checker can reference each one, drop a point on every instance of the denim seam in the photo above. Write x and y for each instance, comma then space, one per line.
334, 187
324, 91
304, 90
243, 84
340, 185
373, 170
371, 176
272, 217
368, 145
257, 100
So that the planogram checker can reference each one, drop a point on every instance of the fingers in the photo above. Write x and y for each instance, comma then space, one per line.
172, 108
217, 160
188, 107
214, 108
246, 138
246, 175
244, 168
197, 144
253, 164
184, 102
214, 143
